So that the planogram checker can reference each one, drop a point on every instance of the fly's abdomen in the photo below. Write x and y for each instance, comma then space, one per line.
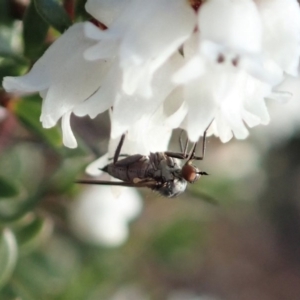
129, 173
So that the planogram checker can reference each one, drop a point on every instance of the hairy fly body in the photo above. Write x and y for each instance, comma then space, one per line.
158, 171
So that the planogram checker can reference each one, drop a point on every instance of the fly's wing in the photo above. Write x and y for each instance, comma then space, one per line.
147, 183
129, 160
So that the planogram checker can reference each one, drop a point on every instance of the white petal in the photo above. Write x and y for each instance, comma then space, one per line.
255, 94
191, 70
176, 119
202, 108
63, 77
234, 120
280, 96
129, 109
234, 24
264, 70
24, 84
93, 32
156, 135
175, 109
163, 34
93, 168
68, 136
107, 43
223, 130
281, 27
96, 104
148, 134
250, 119
49, 65
104, 97
102, 50
132, 78
106, 11
77, 81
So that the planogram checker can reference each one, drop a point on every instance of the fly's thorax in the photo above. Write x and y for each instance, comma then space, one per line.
173, 188
162, 167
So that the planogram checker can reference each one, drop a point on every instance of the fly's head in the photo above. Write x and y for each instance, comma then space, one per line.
190, 173
173, 188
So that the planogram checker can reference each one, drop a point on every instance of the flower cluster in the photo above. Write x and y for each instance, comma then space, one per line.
164, 64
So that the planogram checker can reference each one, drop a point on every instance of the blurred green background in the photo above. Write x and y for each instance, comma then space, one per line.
234, 235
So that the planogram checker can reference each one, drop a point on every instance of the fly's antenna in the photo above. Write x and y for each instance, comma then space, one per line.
202, 173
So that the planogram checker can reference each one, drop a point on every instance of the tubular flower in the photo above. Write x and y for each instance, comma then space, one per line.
196, 63
63, 78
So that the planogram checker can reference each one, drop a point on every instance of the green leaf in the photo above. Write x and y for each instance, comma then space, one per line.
5, 15
23, 208
31, 235
27, 232
7, 189
53, 14
63, 180
34, 33
28, 111
8, 255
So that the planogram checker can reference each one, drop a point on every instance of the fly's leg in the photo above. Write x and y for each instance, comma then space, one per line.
192, 155
175, 155
120, 155
183, 149
193, 150
118, 150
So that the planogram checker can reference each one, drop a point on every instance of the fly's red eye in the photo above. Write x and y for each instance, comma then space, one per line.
190, 173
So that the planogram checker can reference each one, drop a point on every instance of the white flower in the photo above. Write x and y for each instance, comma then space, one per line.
225, 77
281, 34
63, 78
143, 36
282, 126
188, 65
97, 216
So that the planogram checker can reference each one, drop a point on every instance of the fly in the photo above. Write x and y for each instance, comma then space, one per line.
158, 171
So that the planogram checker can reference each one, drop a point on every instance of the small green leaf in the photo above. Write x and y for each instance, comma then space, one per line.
7, 189
22, 209
32, 234
53, 14
34, 33
29, 231
28, 111
8, 255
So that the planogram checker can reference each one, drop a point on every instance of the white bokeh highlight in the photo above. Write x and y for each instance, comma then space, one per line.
99, 217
